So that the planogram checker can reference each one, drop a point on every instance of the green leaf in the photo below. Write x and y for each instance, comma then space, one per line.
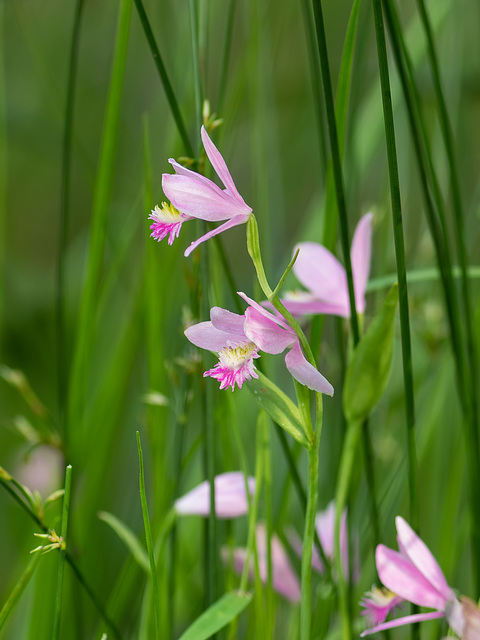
278, 406
369, 369
127, 536
217, 616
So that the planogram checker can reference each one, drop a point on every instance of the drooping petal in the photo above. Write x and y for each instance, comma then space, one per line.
399, 622
266, 334
214, 232
218, 163
201, 200
360, 256
206, 336
400, 576
421, 557
305, 373
320, 272
230, 497
227, 321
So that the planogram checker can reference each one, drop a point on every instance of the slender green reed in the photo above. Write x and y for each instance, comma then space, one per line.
101, 198
18, 590
226, 55
400, 261
62, 359
157, 59
148, 537
197, 83
62, 553
3, 167
267, 457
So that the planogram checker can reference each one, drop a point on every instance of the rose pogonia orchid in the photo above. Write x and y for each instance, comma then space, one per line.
378, 603
325, 278
284, 579
238, 338
194, 196
230, 497
414, 575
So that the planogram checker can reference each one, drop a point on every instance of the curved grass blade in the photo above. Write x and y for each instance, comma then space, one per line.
18, 590
217, 616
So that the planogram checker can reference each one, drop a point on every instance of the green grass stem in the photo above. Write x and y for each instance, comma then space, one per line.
400, 261
148, 538
62, 553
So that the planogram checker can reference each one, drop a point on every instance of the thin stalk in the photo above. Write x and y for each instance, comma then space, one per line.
148, 537
226, 55
267, 456
336, 162
309, 531
62, 360
196, 72
400, 260
18, 590
62, 552
167, 87
78, 574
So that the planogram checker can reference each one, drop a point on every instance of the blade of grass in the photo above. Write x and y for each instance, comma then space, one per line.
101, 197
157, 59
62, 358
62, 553
18, 590
148, 537
3, 166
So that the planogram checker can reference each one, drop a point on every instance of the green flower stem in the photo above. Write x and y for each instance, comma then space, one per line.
61, 562
148, 538
400, 260
267, 457
309, 532
341, 497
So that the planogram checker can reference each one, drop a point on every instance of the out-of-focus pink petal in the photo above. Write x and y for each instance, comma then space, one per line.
319, 270
360, 256
230, 497
305, 373
183, 171
400, 576
418, 617
200, 200
325, 525
308, 304
471, 620
285, 580
233, 222
206, 336
227, 321
297, 546
420, 555
266, 334
218, 163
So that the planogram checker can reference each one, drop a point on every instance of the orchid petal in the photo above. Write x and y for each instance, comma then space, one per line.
218, 163
418, 617
305, 373
269, 316
308, 304
284, 578
402, 577
360, 256
183, 171
200, 200
420, 555
230, 497
233, 222
320, 272
266, 333
297, 546
206, 336
227, 321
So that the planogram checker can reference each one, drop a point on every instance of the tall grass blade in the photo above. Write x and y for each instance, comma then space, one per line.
62, 552
18, 590
217, 616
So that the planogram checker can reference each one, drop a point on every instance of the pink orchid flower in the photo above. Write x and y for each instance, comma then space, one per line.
194, 196
325, 278
230, 497
238, 338
284, 579
414, 575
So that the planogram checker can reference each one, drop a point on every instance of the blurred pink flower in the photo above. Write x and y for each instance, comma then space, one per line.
238, 338
414, 575
325, 526
325, 278
195, 196
41, 470
230, 497
471, 613
284, 579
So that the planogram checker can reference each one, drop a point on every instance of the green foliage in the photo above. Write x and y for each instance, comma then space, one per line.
217, 616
